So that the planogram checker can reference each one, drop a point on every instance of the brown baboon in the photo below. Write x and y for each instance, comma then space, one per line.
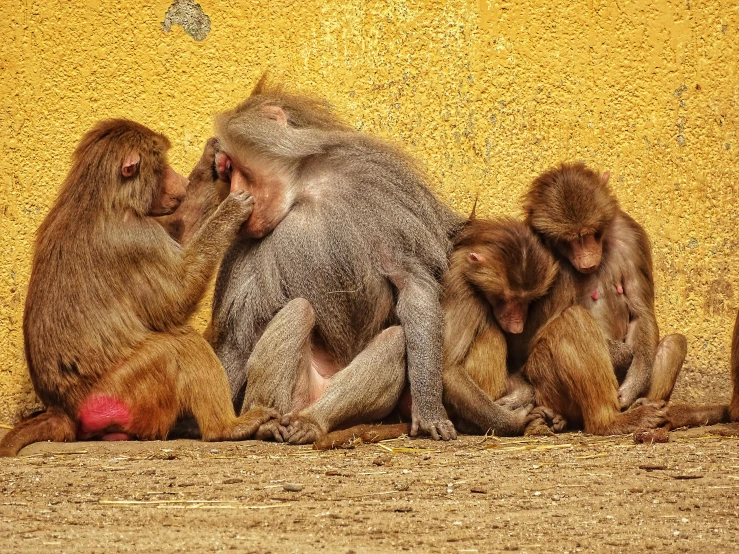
608, 258
105, 326
335, 278
497, 269
513, 326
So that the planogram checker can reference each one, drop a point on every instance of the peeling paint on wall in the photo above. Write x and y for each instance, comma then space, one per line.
188, 15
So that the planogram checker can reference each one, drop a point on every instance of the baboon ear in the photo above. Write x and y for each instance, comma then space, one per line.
604, 178
476, 258
130, 164
275, 113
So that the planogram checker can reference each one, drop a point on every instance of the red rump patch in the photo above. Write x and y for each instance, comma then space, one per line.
102, 415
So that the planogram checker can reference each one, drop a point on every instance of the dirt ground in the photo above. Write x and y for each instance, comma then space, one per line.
569, 493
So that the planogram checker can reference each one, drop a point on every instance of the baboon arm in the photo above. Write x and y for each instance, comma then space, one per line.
168, 283
470, 403
463, 319
632, 248
642, 337
420, 314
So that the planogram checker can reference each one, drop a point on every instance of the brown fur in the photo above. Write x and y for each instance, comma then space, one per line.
564, 355
495, 263
110, 295
568, 201
734, 406
337, 270
362, 434
607, 257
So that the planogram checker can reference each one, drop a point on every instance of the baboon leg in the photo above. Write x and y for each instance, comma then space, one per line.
570, 369
204, 391
52, 425
734, 406
668, 362
280, 359
170, 374
468, 401
621, 357
367, 389
685, 415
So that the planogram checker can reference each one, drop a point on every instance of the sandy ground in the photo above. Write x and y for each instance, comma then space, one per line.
569, 493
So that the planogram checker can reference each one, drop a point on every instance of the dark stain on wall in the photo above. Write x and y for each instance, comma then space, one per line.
719, 297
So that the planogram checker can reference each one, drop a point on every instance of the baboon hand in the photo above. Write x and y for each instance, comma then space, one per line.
208, 159
546, 416
247, 424
300, 429
272, 430
440, 428
236, 208
519, 418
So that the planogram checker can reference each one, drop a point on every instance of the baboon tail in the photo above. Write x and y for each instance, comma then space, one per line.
688, 415
51, 425
365, 433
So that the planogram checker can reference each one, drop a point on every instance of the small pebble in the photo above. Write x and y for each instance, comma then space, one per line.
293, 487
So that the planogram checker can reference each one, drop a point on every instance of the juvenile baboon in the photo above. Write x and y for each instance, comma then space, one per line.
105, 326
335, 278
608, 258
497, 269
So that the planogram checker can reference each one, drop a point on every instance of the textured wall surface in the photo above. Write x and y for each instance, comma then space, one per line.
485, 93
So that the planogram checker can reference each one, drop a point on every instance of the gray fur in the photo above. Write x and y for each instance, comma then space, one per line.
369, 215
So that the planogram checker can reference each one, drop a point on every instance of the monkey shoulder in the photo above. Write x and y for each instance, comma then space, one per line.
624, 234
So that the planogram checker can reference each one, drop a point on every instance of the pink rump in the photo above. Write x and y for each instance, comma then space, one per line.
103, 416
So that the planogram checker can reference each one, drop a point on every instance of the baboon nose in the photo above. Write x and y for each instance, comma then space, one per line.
588, 265
515, 327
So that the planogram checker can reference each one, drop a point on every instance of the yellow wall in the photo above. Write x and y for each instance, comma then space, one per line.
486, 93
